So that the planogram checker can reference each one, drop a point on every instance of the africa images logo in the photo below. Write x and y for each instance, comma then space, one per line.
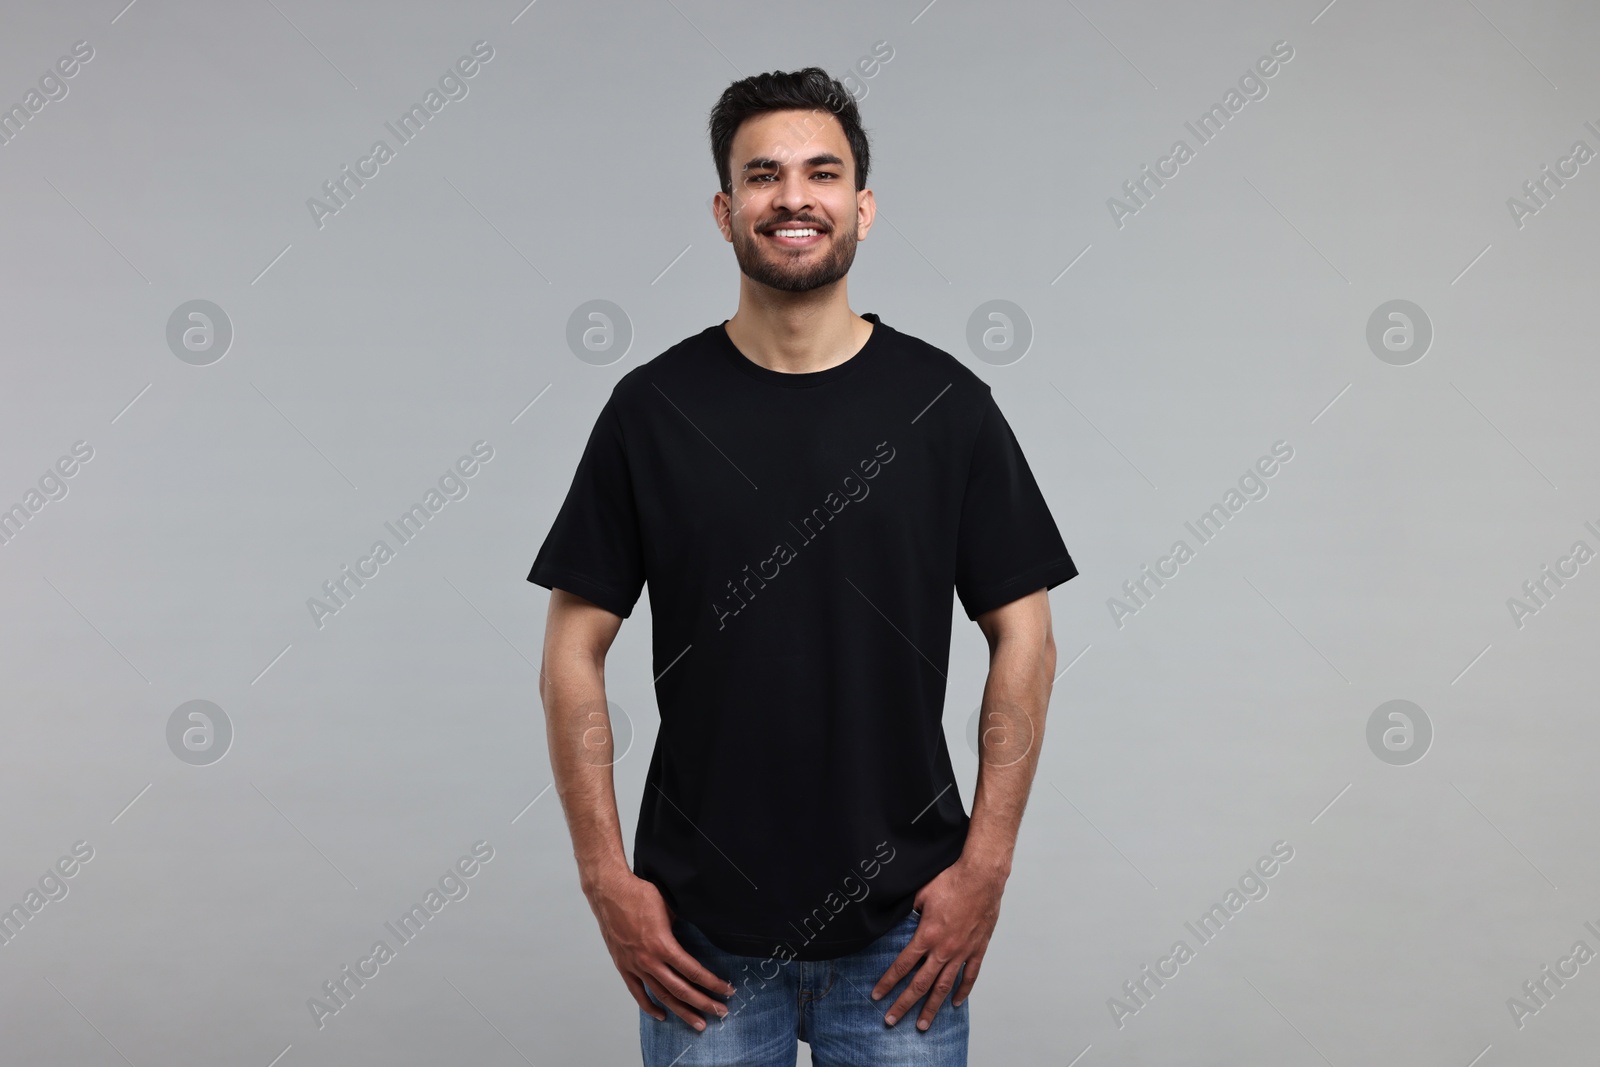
783, 553
452, 886
342, 188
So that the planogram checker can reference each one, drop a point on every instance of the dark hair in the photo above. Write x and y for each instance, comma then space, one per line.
801, 90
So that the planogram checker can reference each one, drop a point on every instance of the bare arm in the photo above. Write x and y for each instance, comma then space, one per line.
1016, 699
634, 918
961, 905
572, 686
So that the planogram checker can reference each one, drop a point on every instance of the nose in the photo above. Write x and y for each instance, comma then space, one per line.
793, 193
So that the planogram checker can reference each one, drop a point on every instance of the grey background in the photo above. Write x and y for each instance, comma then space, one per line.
1229, 313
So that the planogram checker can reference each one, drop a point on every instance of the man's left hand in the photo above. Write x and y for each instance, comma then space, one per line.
959, 909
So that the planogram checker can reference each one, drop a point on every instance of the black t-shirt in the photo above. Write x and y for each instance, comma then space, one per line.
801, 535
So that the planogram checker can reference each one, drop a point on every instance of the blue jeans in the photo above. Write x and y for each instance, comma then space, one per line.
826, 1003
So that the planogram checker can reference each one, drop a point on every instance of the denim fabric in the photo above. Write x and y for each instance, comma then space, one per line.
826, 1003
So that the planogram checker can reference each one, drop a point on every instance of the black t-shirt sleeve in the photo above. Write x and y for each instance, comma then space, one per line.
1008, 545
594, 547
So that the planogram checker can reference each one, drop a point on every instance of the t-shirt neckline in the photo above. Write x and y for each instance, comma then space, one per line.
809, 378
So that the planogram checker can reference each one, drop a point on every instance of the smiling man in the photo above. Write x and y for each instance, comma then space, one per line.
804, 491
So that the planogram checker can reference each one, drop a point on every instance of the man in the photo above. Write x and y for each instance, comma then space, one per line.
803, 489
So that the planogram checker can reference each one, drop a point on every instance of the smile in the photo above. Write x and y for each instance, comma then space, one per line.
794, 237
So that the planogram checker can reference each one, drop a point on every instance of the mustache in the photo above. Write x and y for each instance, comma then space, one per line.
795, 220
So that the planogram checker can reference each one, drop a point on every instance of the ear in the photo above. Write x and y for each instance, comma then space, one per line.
866, 212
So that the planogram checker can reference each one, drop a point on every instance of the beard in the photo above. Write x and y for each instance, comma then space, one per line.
791, 271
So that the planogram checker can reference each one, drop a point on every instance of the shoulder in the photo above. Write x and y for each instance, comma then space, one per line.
930, 371
687, 357
919, 356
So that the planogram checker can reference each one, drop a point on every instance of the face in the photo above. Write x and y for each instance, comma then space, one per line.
794, 217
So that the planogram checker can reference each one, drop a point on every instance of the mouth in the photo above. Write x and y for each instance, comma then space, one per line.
794, 236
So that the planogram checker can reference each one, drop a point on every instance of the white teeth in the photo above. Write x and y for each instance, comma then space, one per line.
794, 233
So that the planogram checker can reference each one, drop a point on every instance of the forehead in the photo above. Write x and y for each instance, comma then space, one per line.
789, 136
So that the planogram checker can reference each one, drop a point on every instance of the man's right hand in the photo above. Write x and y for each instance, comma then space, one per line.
637, 927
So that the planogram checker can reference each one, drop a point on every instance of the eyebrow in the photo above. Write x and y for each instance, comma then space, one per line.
827, 159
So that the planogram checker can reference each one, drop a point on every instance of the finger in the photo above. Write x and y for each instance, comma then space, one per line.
969, 978
685, 964
941, 989
636, 987
686, 993
899, 968
913, 992
674, 1005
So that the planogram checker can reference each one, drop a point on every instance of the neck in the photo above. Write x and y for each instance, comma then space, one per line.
796, 333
